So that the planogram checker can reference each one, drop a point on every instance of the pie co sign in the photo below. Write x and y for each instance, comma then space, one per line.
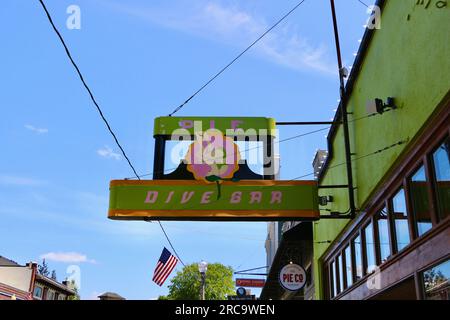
292, 277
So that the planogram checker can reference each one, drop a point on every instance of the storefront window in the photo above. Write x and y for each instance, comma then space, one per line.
341, 273
436, 282
370, 248
441, 159
383, 234
358, 257
348, 266
333, 278
401, 220
420, 202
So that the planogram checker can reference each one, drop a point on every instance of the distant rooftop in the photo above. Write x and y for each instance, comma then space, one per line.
49, 281
7, 262
111, 296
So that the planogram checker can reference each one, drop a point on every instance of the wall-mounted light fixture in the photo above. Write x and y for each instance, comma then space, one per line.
325, 200
379, 106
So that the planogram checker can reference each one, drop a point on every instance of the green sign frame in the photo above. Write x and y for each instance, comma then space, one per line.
166, 126
246, 200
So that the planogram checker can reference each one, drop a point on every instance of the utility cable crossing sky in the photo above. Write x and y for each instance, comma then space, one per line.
237, 57
176, 109
101, 113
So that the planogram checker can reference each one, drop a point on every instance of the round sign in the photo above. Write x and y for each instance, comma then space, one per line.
292, 277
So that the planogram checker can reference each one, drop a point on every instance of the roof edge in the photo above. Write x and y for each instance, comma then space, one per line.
362, 51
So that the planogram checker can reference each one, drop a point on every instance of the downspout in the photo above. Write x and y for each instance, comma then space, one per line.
348, 157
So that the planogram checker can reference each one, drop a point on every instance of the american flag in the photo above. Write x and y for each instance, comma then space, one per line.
164, 267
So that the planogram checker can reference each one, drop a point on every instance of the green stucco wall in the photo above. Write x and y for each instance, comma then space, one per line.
409, 59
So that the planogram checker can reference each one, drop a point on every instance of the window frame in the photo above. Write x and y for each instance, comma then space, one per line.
50, 293
374, 246
344, 254
332, 279
421, 154
409, 214
376, 230
433, 179
42, 291
341, 272
414, 228
352, 245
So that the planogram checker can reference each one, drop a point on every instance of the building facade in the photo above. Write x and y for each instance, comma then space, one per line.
398, 244
273, 239
20, 282
46, 288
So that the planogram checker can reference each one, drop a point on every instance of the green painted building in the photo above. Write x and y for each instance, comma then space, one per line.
400, 234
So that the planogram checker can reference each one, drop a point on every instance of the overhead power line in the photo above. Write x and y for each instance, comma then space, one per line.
87, 88
244, 151
356, 159
91, 95
363, 3
236, 58
259, 147
252, 269
170, 243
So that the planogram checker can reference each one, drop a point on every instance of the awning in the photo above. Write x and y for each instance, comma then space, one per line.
296, 247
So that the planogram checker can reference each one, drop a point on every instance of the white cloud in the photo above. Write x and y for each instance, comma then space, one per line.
107, 152
66, 257
20, 181
234, 26
35, 129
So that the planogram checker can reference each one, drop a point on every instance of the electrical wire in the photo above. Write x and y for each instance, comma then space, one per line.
170, 243
364, 4
198, 206
91, 95
244, 151
184, 103
236, 58
356, 159
69, 55
258, 147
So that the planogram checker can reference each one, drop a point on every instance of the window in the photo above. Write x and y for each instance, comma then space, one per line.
436, 282
383, 234
348, 266
400, 216
370, 249
341, 273
37, 292
420, 201
358, 257
441, 161
50, 295
414, 198
333, 279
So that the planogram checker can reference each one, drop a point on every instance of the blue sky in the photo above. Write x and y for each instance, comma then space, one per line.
142, 59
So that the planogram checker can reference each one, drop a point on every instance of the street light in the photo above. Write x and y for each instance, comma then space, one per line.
202, 267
